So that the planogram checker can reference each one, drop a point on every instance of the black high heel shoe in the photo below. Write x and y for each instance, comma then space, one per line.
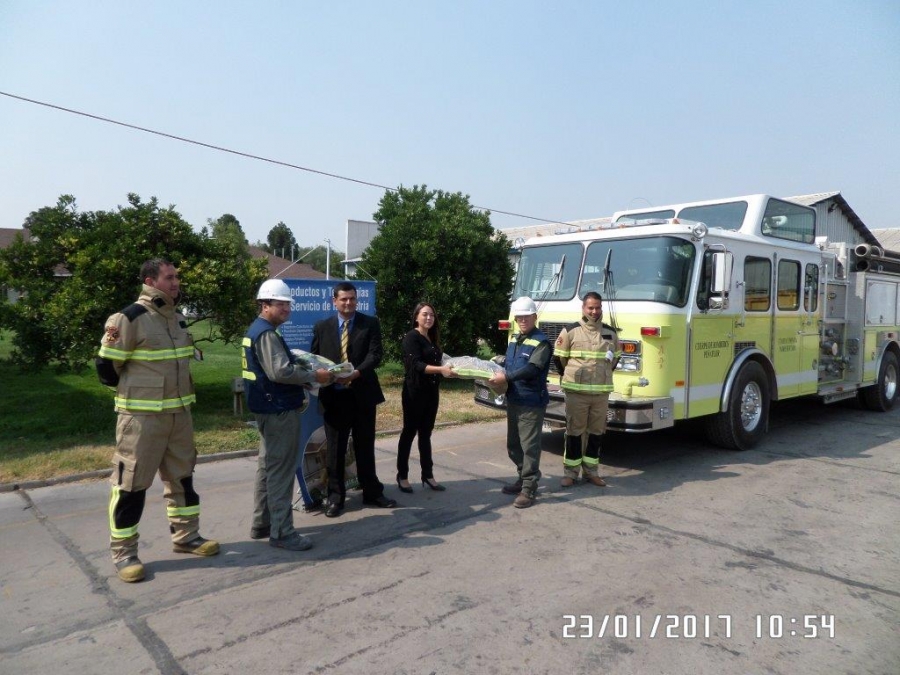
437, 487
407, 490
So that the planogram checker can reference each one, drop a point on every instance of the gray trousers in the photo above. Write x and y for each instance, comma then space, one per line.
523, 443
276, 469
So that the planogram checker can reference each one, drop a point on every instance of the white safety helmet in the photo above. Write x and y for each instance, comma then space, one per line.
274, 289
524, 306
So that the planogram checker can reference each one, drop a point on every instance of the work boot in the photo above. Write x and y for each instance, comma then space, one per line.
198, 546
523, 501
512, 488
570, 477
130, 570
293, 542
595, 480
259, 532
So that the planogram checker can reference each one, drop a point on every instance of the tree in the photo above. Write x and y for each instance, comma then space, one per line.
76, 268
433, 246
227, 227
280, 241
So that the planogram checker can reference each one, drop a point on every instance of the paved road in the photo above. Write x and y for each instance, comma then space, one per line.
697, 541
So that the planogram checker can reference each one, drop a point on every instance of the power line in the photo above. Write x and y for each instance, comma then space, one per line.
248, 155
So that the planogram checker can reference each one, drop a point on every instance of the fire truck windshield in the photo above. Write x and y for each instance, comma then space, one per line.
549, 272
648, 268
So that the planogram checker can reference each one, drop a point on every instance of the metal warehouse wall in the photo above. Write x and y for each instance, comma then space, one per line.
835, 225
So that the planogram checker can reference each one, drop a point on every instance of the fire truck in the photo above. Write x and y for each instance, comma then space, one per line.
722, 307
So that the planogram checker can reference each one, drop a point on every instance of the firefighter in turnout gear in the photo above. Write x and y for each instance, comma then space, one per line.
586, 354
145, 354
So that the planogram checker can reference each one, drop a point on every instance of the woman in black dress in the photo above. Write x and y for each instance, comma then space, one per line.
421, 392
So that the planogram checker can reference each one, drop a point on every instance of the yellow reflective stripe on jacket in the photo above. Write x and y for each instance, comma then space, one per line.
147, 405
122, 533
183, 511
247, 374
146, 354
531, 342
162, 354
577, 354
114, 354
589, 388
580, 354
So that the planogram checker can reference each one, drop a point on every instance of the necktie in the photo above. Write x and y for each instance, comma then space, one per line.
345, 339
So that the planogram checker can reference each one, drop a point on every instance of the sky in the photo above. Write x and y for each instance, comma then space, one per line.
562, 111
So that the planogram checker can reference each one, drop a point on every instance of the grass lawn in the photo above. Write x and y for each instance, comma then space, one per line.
58, 424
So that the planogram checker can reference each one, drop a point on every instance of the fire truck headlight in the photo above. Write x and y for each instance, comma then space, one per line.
631, 364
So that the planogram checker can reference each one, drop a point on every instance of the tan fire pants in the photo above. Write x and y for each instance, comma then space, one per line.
147, 444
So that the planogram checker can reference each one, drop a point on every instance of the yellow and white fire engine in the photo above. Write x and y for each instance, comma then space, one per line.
722, 307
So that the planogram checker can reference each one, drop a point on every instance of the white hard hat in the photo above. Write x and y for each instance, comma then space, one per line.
274, 289
524, 306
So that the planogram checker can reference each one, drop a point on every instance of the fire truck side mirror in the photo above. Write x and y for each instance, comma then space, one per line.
721, 272
720, 281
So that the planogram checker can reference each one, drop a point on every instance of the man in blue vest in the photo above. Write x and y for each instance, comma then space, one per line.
273, 385
525, 373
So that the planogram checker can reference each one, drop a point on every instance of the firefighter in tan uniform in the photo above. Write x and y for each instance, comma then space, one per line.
145, 353
586, 354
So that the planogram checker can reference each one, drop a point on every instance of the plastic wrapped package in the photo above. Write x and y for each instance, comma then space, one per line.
311, 362
472, 368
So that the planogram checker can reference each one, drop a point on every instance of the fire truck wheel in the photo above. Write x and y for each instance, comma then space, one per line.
882, 396
745, 422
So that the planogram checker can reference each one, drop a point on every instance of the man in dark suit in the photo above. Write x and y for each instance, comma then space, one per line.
349, 404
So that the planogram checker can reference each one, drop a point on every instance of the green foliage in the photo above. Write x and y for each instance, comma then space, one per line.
77, 268
280, 240
227, 227
434, 247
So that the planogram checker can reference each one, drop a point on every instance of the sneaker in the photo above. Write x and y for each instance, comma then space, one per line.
294, 542
512, 488
595, 480
130, 570
259, 532
198, 546
567, 481
523, 501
